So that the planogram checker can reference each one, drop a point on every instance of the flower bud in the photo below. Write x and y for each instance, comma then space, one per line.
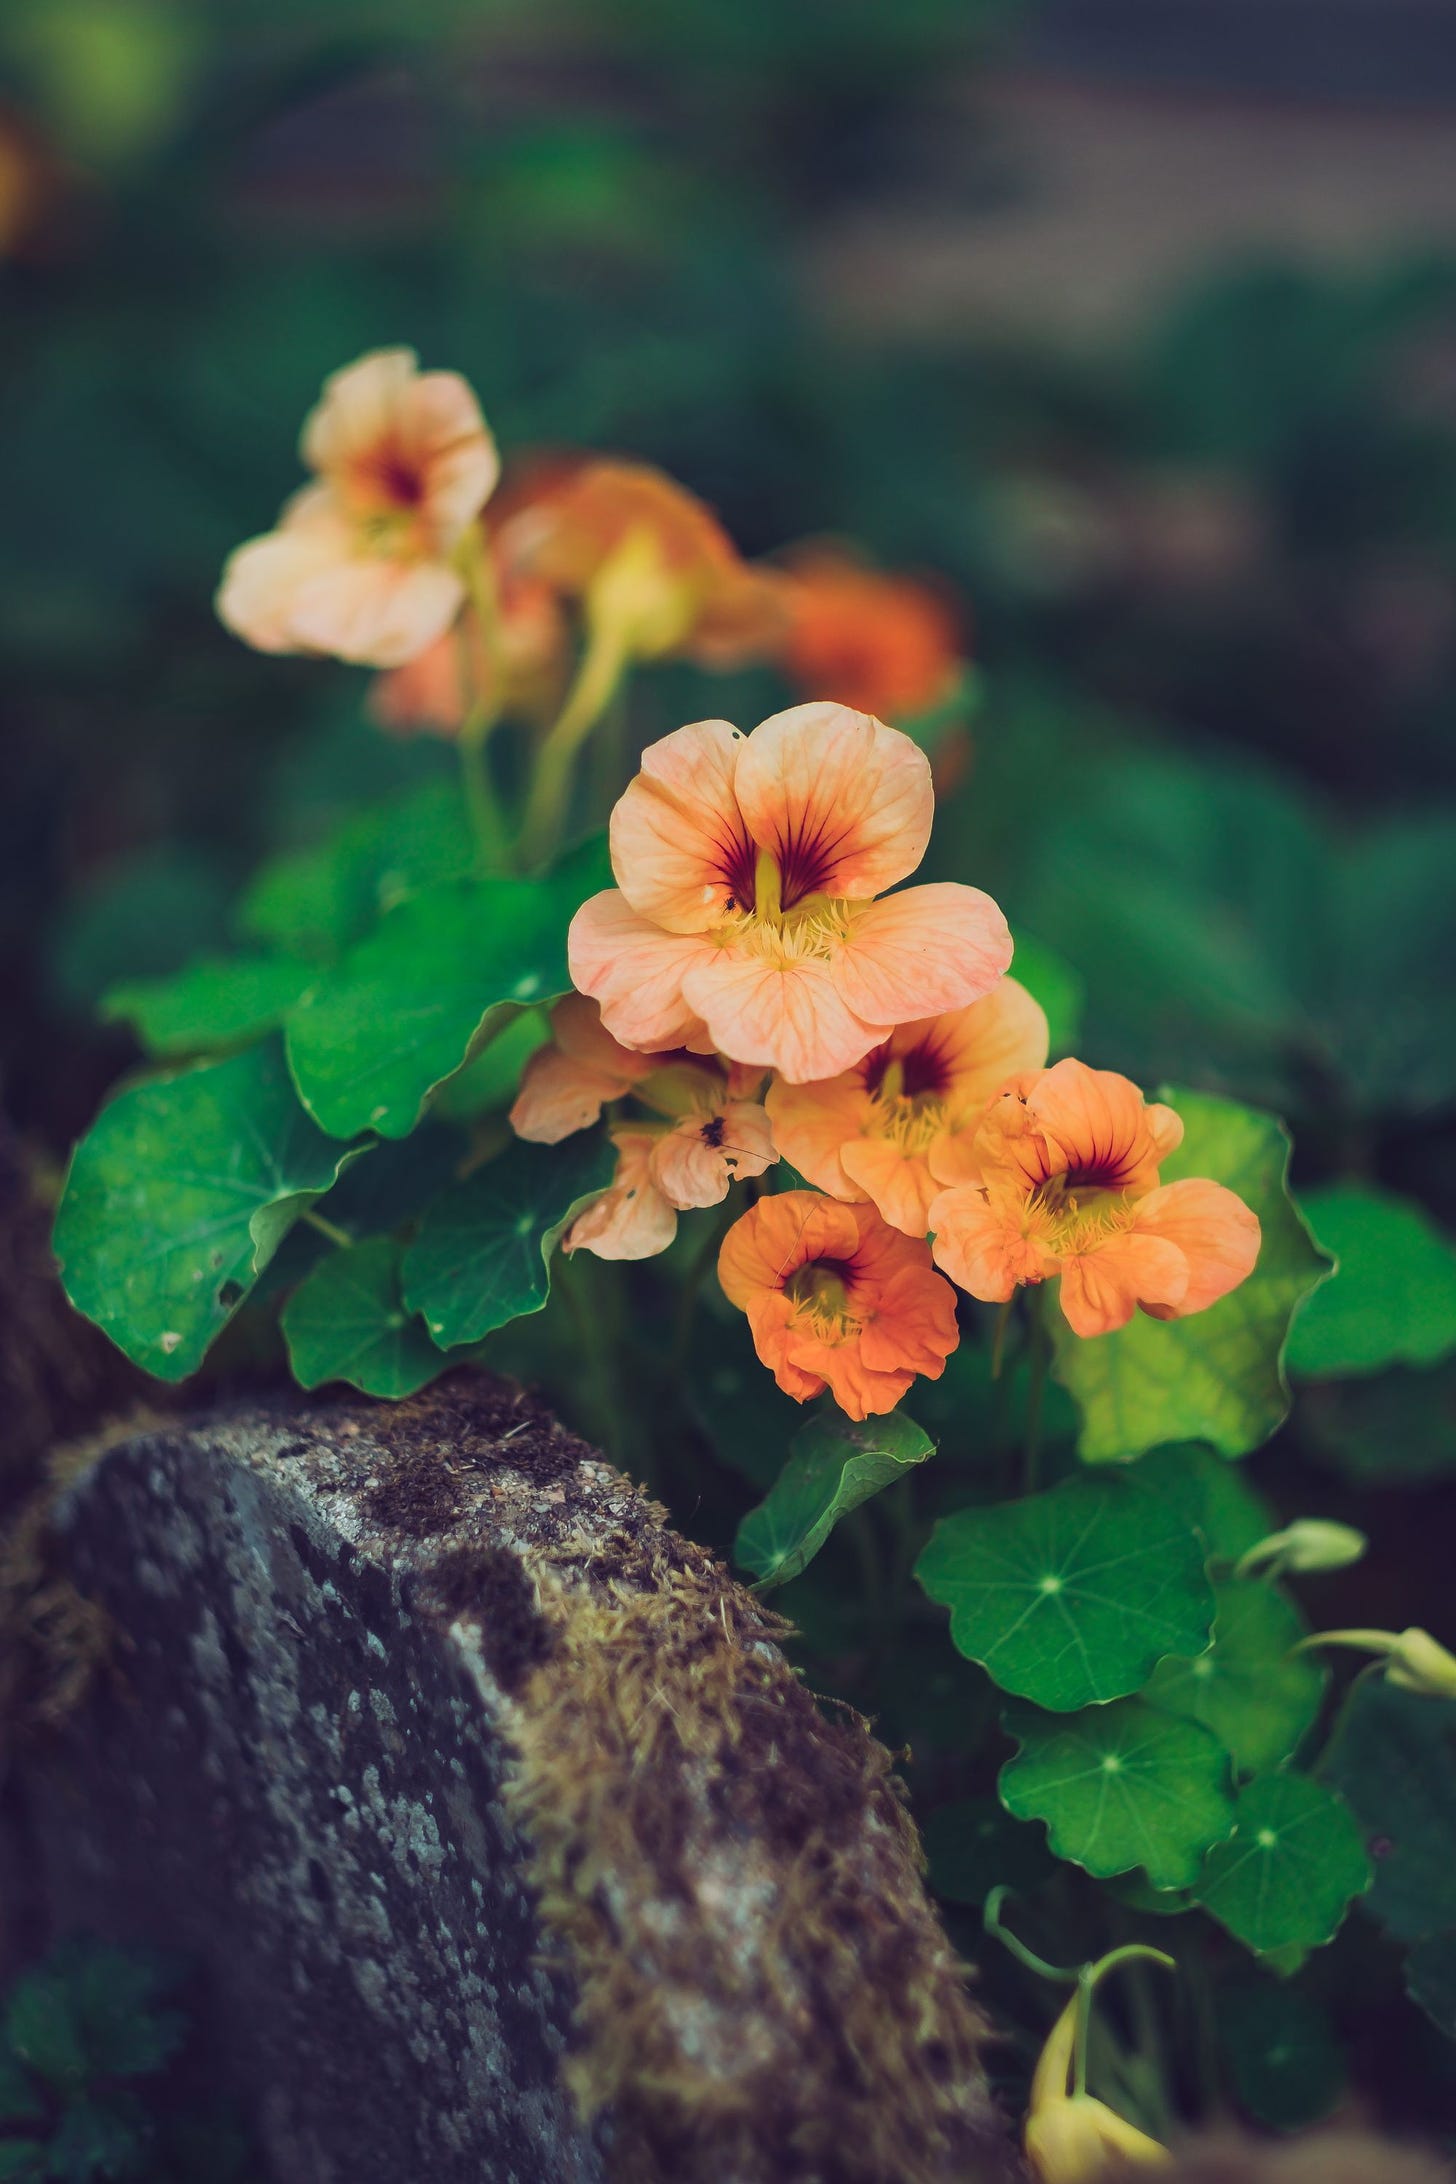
1418, 1663
1307, 1545
1079, 2139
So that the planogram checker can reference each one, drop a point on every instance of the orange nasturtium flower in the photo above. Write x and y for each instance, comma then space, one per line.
897, 1128
363, 563
707, 1128
648, 560
837, 1299
1068, 1184
882, 643
744, 916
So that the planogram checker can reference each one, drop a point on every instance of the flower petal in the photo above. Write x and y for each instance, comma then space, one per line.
898, 1184
375, 612
631, 1219
920, 953
813, 1122
635, 971
356, 409
842, 802
1103, 1286
1218, 1235
680, 851
980, 1241
441, 426
791, 1018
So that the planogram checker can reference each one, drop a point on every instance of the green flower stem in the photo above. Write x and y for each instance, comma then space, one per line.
991, 1918
598, 679
1088, 1979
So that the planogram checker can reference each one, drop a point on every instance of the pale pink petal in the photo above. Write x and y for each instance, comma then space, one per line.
898, 1183
920, 953
790, 1018
357, 409
577, 1028
680, 851
841, 802
261, 583
376, 612
559, 1096
632, 1219
635, 971
698, 1159
1103, 1287
812, 1123
1218, 1235
441, 425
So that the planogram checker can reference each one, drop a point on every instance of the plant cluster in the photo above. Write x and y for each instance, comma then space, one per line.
472, 1047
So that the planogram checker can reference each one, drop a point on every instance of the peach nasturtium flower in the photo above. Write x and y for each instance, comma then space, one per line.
836, 1299
363, 563
882, 643
1068, 1162
747, 869
897, 1128
647, 559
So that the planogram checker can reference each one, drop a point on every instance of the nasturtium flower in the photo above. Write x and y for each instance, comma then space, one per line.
649, 562
897, 1129
745, 915
837, 1299
1068, 1162
631, 1219
1073, 2138
363, 563
882, 643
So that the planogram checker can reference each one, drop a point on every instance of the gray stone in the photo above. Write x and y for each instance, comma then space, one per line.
509, 1845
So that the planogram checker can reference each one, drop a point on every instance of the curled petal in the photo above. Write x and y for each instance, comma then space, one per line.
840, 801
921, 952
1097, 1128
680, 852
1218, 1235
1104, 1283
631, 1219
698, 1159
558, 1096
984, 1244
770, 1322
636, 972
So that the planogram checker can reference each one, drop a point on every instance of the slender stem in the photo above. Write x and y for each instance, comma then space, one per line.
331, 1229
991, 1917
597, 679
475, 730
1038, 1350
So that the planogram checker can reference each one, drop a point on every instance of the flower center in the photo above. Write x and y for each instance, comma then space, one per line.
821, 1289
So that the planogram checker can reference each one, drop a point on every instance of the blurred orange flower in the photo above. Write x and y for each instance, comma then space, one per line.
363, 562
1068, 1162
648, 558
897, 1128
881, 643
837, 1299
745, 917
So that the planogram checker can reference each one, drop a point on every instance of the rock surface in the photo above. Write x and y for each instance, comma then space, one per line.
510, 1846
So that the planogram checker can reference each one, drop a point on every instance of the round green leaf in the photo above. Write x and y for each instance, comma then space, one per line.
834, 1465
216, 1002
1255, 1696
482, 1254
420, 996
314, 902
1218, 1375
1392, 1300
1072, 1597
180, 1195
1120, 1786
1286, 1876
348, 1322
1283, 2056
1393, 1759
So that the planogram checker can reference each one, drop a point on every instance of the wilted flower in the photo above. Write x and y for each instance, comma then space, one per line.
835, 1298
897, 1128
1073, 2138
363, 562
1068, 1162
745, 917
